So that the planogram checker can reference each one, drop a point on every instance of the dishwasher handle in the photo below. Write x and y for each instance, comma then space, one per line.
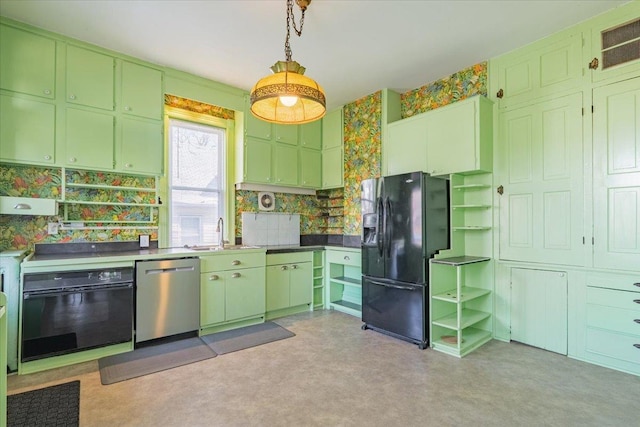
169, 270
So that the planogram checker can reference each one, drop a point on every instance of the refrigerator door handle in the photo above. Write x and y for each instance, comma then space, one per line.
379, 231
389, 285
387, 225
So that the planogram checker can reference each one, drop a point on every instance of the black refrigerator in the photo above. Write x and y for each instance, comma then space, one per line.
405, 222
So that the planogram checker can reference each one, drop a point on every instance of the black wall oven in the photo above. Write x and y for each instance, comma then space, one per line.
71, 311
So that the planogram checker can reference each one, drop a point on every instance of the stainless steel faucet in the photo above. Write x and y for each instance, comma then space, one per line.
220, 229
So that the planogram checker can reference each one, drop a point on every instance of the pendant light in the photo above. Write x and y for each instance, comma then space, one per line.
288, 96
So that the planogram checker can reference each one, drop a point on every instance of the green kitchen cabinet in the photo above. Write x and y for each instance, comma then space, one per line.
548, 68
310, 168
332, 168
311, 135
244, 293
615, 44
285, 163
460, 137
286, 134
540, 170
257, 161
255, 127
3, 359
212, 298
27, 130
141, 91
140, 146
289, 280
90, 139
332, 129
343, 278
90, 78
406, 147
616, 179
27, 63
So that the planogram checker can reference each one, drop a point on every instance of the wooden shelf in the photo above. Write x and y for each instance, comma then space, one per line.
472, 338
349, 281
471, 186
468, 318
470, 206
460, 260
347, 307
471, 228
466, 294
110, 187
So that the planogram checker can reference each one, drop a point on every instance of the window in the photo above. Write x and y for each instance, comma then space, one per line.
196, 182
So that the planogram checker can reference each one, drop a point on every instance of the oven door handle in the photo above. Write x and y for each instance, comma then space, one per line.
74, 290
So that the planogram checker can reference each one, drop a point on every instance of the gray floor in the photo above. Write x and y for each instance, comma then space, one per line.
334, 374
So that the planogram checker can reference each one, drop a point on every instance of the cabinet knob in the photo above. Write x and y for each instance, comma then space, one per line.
561, 274
284, 267
47, 92
47, 157
235, 262
637, 284
637, 346
593, 65
293, 267
346, 258
637, 301
268, 136
636, 320
214, 277
235, 275
128, 165
72, 159
127, 108
72, 96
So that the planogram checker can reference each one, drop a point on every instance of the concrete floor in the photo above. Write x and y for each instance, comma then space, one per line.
334, 374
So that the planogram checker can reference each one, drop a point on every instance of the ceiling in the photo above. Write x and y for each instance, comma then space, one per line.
351, 47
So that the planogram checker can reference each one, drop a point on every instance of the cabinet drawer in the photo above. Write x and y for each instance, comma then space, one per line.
289, 258
232, 261
614, 319
611, 298
344, 257
612, 344
623, 282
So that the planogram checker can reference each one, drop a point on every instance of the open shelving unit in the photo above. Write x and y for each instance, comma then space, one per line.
318, 280
344, 281
331, 211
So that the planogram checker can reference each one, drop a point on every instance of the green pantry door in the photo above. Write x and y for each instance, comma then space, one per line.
616, 179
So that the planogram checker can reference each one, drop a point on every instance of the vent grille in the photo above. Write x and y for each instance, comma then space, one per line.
621, 44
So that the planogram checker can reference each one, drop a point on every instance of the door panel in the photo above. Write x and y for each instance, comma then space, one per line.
89, 139
245, 293
406, 150
211, 298
300, 281
90, 78
286, 165
616, 160
277, 287
257, 166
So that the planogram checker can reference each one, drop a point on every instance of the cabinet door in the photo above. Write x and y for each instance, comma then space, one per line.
212, 298
543, 69
277, 287
540, 158
616, 179
141, 91
256, 128
245, 293
286, 134
539, 308
311, 135
257, 167
332, 129
141, 147
406, 148
27, 130
615, 44
89, 139
90, 78
27, 62
332, 168
286, 165
310, 168
300, 283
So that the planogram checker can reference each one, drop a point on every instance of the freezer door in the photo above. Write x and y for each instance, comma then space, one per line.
372, 231
395, 307
403, 228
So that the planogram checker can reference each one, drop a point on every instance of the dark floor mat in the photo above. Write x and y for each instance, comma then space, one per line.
156, 358
58, 405
249, 336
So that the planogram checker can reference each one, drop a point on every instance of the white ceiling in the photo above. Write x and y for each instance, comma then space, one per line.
351, 47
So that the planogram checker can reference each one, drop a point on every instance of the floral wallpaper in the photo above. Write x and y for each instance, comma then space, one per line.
198, 107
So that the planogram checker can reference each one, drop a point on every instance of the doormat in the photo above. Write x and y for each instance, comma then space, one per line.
249, 336
156, 358
58, 405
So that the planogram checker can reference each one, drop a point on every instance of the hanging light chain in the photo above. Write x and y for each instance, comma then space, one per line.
291, 19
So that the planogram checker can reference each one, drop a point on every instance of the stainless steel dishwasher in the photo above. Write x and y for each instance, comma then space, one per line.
167, 297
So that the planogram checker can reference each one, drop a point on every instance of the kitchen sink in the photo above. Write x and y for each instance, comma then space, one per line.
218, 248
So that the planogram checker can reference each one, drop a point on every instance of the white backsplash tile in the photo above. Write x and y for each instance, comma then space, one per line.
270, 228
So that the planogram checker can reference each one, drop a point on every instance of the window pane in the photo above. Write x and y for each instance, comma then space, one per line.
194, 216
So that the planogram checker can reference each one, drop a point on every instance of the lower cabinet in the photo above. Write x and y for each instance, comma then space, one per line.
232, 290
343, 278
289, 278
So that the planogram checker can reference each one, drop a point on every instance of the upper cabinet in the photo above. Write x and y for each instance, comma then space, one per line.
141, 91
615, 44
311, 135
452, 139
90, 78
27, 62
332, 152
332, 129
547, 68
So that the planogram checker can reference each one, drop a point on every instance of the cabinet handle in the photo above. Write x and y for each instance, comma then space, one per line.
47, 92
236, 275
637, 284
72, 159
72, 96
128, 165
127, 108
593, 65
636, 320
637, 301
284, 267
235, 262
500, 93
47, 157
214, 277
346, 258
293, 267
637, 346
